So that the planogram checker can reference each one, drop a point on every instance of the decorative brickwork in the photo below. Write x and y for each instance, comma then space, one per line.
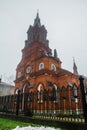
39, 69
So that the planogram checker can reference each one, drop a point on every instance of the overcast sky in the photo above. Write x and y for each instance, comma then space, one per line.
65, 21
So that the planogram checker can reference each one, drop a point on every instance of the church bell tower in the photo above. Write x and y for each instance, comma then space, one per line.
37, 59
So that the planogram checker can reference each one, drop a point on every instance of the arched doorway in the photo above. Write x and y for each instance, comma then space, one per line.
25, 96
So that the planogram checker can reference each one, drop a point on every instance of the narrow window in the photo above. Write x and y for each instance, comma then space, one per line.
53, 67
75, 94
40, 94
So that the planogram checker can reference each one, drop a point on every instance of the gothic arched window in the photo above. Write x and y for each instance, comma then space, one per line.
55, 93
75, 93
41, 66
63, 93
39, 93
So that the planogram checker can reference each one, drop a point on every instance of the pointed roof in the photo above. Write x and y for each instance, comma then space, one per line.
75, 71
37, 21
74, 64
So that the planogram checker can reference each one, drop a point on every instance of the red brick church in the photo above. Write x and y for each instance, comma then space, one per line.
39, 70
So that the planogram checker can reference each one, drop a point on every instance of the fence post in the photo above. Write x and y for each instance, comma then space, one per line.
17, 106
83, 97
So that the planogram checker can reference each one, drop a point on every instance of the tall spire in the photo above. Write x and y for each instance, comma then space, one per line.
37, 20
75, 71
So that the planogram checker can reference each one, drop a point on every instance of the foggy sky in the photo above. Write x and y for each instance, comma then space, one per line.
65, 21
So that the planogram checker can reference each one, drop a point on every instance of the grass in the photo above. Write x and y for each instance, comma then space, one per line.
8, 124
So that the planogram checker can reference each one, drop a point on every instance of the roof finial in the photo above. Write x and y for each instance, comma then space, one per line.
37, 20
37, 11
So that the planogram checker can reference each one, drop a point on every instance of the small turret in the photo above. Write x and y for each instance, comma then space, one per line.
75, 71
55, 54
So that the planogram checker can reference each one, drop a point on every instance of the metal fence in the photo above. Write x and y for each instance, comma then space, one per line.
64, 102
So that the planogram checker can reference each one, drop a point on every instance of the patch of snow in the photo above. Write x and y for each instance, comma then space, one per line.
35, 128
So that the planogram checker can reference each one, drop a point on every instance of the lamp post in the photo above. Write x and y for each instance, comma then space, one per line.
83, 97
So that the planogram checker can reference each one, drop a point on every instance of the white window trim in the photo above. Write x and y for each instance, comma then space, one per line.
41, 66
19, 75
39, 92
56, 89
53, 67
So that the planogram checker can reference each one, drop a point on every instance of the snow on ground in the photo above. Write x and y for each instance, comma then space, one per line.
35, 128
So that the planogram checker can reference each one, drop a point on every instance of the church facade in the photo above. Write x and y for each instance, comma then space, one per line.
39, 70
